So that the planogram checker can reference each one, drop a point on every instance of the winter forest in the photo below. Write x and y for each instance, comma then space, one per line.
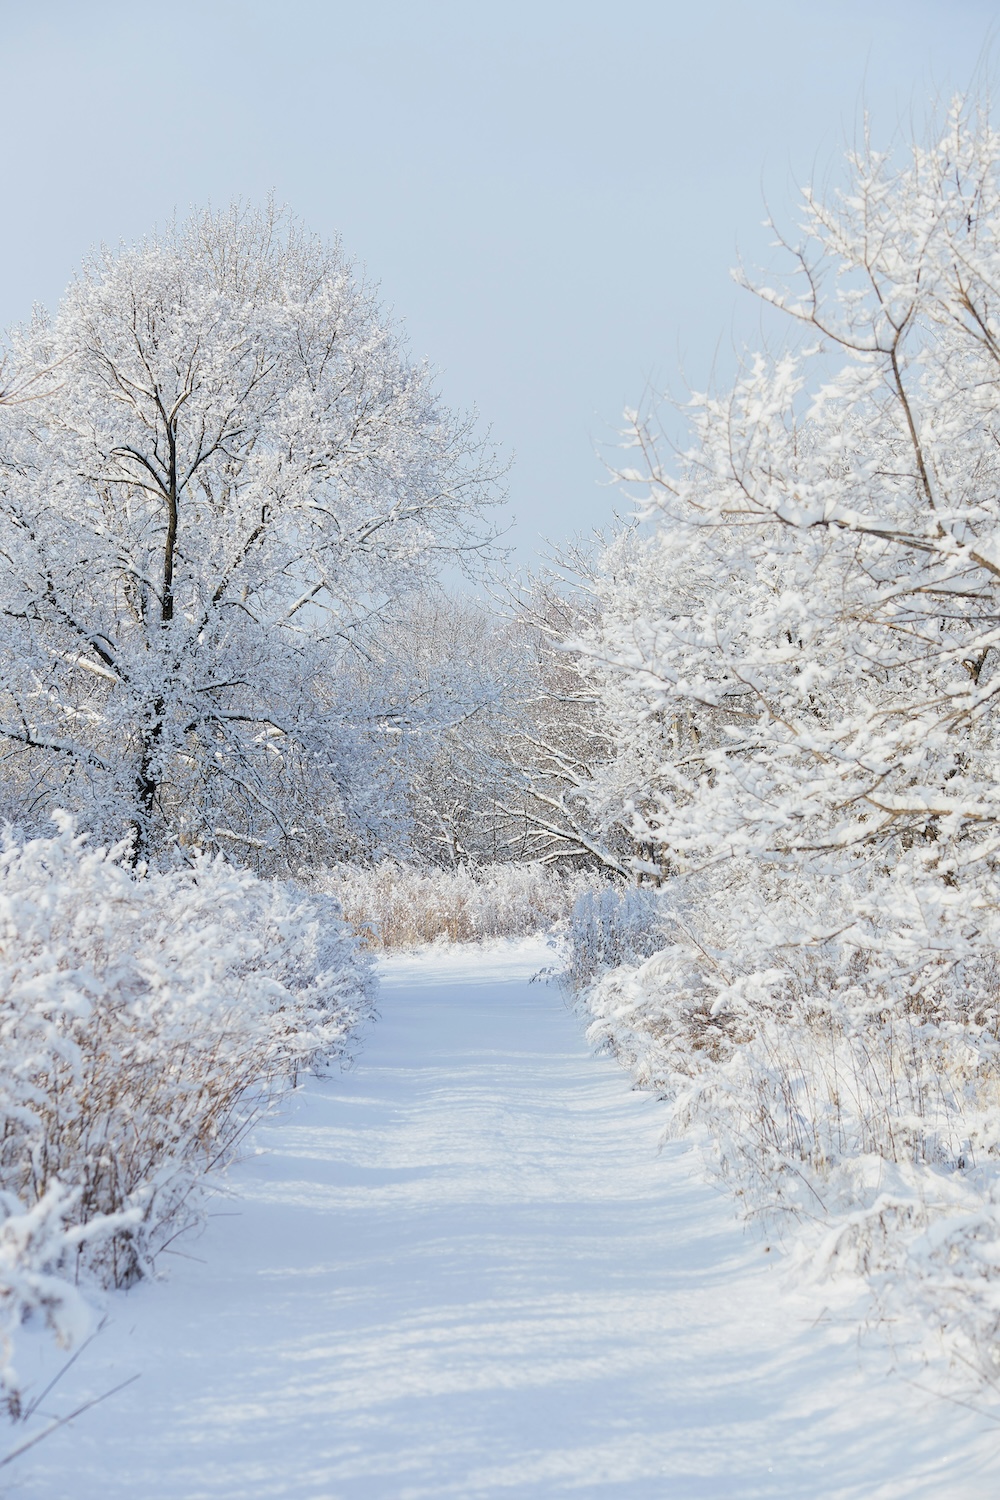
277, 713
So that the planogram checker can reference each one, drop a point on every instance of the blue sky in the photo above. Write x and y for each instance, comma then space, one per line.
551, 194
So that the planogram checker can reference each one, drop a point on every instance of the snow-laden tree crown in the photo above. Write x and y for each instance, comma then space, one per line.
810, 632
218, 467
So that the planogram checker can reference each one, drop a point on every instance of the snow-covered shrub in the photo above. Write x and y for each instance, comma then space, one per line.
36, 1247
805, 1055
610, 926
144, 1022
400, 906
826, 1090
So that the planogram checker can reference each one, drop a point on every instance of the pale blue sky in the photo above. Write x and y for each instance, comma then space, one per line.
550, 194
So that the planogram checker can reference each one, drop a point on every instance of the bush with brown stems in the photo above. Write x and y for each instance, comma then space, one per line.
146, 1020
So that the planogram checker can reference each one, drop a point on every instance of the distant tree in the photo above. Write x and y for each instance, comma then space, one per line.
562, 743
230, 474
464, 655
505, 768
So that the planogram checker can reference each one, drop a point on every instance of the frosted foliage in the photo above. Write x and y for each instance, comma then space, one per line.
144, 1024
569, 732
803, 653
218, 469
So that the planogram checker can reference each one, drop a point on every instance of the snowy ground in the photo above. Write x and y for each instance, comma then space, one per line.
465, 1269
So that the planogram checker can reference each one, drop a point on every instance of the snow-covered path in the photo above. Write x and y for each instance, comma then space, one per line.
464, 1269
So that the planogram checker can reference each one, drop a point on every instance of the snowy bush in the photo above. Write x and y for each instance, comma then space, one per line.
612, 925
144, 1023
871, 1120
35, 1247
400, 906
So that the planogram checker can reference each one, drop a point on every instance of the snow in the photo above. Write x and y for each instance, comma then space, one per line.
466, 1268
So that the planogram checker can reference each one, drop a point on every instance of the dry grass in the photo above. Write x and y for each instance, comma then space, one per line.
402, 906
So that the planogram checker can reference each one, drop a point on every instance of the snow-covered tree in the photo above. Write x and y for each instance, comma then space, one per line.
510, 773
803, 664
229, 468
813, 645
462, 655
561, 745
496, 774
